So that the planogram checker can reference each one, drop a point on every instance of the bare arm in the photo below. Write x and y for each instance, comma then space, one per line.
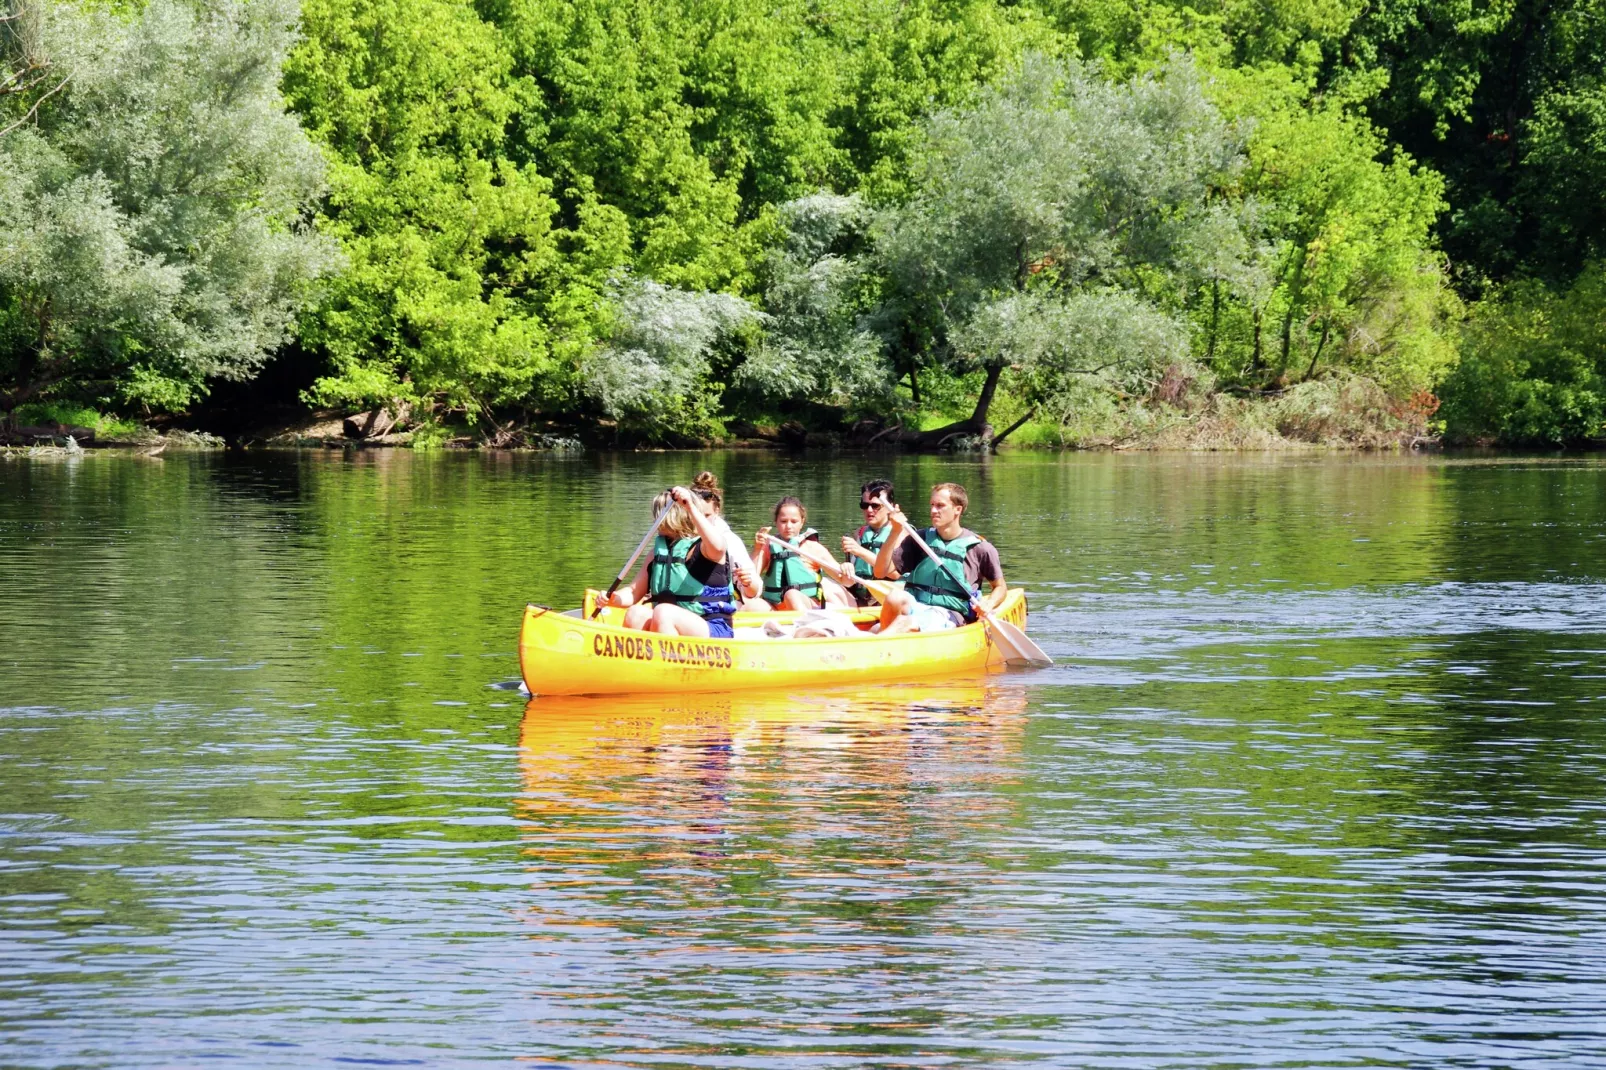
637, 590
884, 558
1000, 589
852, 547
712, 534
761, 551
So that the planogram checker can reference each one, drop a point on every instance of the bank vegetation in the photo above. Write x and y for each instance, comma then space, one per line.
924, 223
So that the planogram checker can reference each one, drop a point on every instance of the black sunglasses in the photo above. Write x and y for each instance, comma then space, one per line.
869, 505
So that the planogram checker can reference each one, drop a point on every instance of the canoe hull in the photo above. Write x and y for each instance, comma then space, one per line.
564, 655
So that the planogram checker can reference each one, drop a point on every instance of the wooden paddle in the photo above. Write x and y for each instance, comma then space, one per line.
645, 539
845, 566
1016, 647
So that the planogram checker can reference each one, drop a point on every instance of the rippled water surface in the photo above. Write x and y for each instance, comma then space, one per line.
1319, 779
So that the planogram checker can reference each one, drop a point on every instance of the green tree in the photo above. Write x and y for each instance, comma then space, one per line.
1534, 365
1504, 100
457, 276
1354, 278
150, 236
818, 290
1055, 183
652, 374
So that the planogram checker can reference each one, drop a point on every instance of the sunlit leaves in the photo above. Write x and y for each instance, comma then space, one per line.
150, 215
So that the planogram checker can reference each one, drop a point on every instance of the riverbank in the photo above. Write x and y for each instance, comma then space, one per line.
1349, 413
1338, 413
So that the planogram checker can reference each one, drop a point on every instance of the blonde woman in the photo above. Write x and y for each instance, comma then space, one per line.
684, 589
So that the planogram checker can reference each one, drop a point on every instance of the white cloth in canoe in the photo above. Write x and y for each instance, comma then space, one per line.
814, 624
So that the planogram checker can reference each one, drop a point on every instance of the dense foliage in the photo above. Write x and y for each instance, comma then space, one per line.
662, 216
150, 214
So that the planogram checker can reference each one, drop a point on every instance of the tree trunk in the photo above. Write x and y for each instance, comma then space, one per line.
984, 400
1012, 428
1256, 360
1296, 286
1327, 325
914, 384
1215, 321
975, 424
1288, 337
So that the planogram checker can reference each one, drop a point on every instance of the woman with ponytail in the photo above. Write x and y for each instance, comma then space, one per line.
744, 576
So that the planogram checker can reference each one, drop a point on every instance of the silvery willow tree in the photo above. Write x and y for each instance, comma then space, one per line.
653, 374
1056, 227
151, 209
819, 287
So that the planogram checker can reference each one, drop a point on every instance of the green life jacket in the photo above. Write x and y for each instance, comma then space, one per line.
871, 540
936, 586
787, 568
670, 580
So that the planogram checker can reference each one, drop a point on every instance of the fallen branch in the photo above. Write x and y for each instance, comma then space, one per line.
1012, 428
31, 112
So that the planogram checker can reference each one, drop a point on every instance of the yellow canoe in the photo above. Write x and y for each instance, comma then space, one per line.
561, 654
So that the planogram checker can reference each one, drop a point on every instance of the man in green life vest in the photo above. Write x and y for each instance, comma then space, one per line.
862, 546
933, 598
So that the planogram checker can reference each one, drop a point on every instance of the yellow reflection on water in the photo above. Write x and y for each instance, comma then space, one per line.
744, 801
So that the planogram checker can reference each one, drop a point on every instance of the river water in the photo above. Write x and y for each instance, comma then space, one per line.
1319, 778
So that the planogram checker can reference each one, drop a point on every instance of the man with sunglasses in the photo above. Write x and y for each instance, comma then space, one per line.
863, 545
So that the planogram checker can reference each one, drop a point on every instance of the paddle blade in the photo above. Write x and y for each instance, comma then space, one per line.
881, 590
1017, 649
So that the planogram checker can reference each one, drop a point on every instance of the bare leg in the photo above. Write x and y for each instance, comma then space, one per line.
837, 596
895, 613
796, 599
638, 615
900, 625
756, 605
673, 620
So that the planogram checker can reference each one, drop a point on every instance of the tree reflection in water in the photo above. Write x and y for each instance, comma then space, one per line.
807, 837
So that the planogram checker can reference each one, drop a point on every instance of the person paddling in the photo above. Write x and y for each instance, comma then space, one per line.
744, 575
862, 546
684, 589
932, 599
791, 560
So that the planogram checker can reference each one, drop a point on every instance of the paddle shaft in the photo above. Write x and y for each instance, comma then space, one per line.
975, 599
645, 539
817, 567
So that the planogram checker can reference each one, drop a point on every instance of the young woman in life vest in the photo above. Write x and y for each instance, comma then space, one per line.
862, 546
798, 572
744, 575
932, 599
684, 588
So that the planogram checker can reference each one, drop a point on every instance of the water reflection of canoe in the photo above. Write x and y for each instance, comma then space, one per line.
570, 655
634, 735
687, 792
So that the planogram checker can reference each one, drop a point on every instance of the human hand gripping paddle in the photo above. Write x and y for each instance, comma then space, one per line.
881, 589
1012, 642
642, 546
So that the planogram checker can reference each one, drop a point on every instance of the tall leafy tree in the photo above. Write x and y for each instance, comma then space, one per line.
1505, 100
455, 266
1055, 183
150, 212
